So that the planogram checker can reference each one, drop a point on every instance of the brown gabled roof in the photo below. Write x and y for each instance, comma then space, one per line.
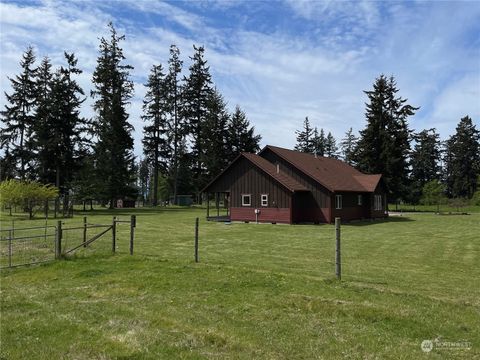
333, 174
268, 168
287, 181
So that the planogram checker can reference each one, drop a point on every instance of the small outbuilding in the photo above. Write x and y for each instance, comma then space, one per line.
285, 186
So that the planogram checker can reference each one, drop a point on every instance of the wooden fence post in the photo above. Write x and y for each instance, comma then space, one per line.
58, 240
10, 248
338, 259
133, 224
114, 233
84, 231
196, 240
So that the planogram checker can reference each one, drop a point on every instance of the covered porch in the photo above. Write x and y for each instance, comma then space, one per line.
218, 206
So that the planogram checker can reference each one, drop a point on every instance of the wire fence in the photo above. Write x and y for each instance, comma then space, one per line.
23, 246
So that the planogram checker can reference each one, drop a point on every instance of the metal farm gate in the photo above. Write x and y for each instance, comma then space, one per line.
39, 244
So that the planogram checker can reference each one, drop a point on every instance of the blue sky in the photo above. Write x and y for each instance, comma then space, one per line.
279, 60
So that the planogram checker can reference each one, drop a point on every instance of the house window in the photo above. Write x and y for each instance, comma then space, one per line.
338, 201
377, 202
264, 199
246, 200
359, 200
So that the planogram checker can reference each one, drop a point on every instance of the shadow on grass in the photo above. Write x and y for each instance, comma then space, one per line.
391, 219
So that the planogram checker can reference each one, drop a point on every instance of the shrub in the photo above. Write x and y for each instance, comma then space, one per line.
29, 194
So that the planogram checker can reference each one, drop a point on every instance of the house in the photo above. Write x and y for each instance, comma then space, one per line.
285, 186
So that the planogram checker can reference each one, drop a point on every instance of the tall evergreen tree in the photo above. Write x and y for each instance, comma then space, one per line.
347, 145
425, 160
175, 121
331, 148
155, 144
114, 145
69, 97
214, 134
18, 116
60, 131
44, 100
196, 95
241, 136
463, 159
305, 138
384, 145
319, 142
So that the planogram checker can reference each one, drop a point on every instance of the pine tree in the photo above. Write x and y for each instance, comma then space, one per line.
319, 142
155, 144
331, 148
18, 117
61, 135
305, 138
196, 95
175, 122
43, 121
425, 161
74, 128
347, 145
214, 135
240, 135
463, 159
383, 147
114, 145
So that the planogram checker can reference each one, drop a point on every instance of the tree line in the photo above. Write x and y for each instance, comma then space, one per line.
416, 166
188, 136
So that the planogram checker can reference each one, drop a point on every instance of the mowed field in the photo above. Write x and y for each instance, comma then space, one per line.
259, 292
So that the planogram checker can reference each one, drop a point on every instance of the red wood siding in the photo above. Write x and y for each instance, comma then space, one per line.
246, 178
279, 215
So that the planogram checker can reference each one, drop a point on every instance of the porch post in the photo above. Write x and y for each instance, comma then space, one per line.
217, 203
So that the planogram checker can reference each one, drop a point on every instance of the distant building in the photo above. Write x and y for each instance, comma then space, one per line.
285, 186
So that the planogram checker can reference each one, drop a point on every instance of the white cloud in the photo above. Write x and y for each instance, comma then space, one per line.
458, 99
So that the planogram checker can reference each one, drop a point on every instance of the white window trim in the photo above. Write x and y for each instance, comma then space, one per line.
244, 196
377, 202
359, 200
264, 200
338, 202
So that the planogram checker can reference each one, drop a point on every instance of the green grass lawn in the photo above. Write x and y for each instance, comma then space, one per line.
259, 292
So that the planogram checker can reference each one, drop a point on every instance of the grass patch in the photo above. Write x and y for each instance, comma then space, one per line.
259, 291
